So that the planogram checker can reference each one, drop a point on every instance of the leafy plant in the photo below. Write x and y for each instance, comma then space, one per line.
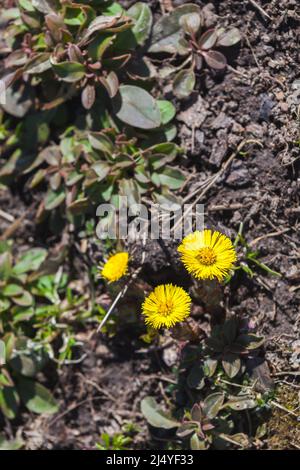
207, 425
228, 343
181, 33
206, 399
23, 361
33, 314
250, 258
61, 49
89, 168
117, 441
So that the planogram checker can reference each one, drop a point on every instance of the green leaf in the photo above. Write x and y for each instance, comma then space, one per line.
184, 83
99, 45
142, 15
208, 39
36, 397
4, 305
129, 188
9, 340
38, 64
212, 404
2, 353
12, 444
74, 16
210, 366
16, 59
154, 416
12, 290
38, 178
5, 379
80, 206
100, 141
171, 178
73, 178
241, 403
215, 59
137, 107
18, 101
54, 199
196, 413
21, 314
28, 365
186, 430
168, 32
167, 111
111, 84
191, 22
109, 23
231, 364
68, 71
30, 261
24, 300
9, 402
101, 169
196, 444
250, 341
5, 265
162, 154
167, 200
26, 5
229, 38
88, 96
44, 6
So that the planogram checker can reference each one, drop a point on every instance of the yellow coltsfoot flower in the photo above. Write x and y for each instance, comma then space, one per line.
115, 267
207, 254
166, 306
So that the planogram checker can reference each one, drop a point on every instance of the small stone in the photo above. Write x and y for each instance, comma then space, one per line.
237, 128
195, 115
238, 177
266, 107
219, 149
284, 107
222, 121
279, 95
255, 129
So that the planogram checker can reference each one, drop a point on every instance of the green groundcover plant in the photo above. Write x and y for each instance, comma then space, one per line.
59, 50
39, 308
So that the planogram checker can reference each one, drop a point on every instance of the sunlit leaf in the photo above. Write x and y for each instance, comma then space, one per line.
137, 107
36, 397
142, 15
184, 83
155, 416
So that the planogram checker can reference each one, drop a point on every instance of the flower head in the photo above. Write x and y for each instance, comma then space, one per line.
166, 306
115, 267
207, 254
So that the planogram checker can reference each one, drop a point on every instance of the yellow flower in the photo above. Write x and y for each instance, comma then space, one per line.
166, 305
115, 267
207, 254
